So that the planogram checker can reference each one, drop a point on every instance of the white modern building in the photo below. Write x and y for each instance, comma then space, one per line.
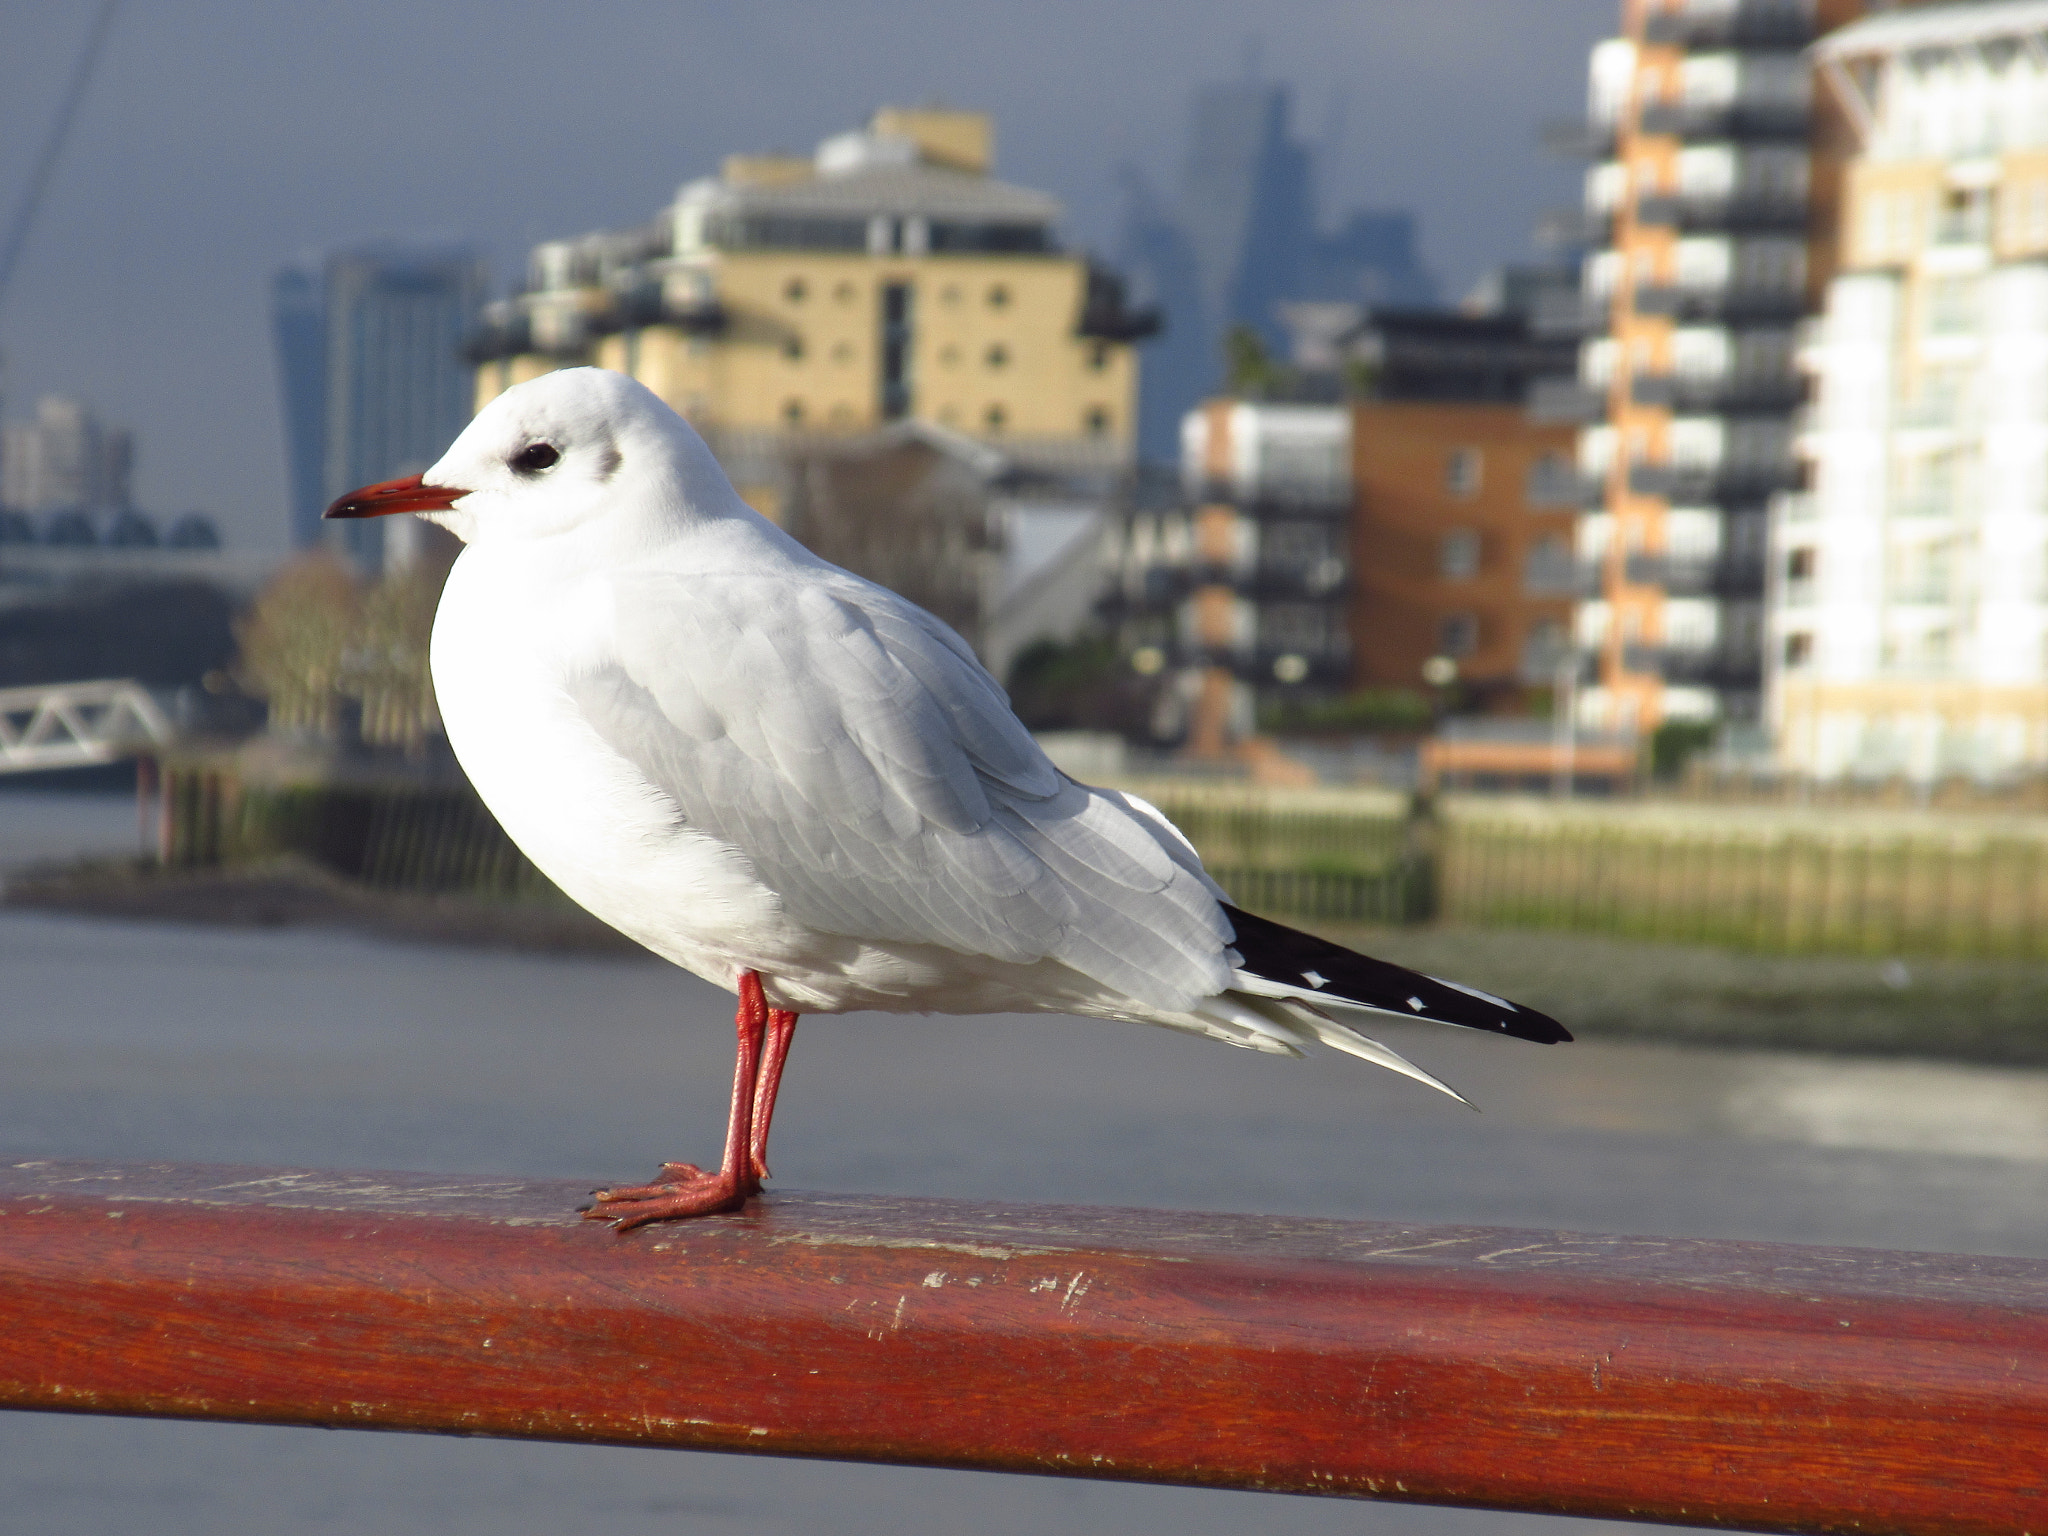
1908, 601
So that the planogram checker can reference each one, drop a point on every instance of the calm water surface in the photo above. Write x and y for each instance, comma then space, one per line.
316, 1049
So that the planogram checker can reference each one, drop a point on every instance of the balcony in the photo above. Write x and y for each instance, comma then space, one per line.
1567, 314
1704, 667
1543, 577
1723, 575
1743, 121
1713, 483
1556, 483
651, 304
1565, 399
1749, 25
1281, 498
1754, 212
1731, 302
1324, 580
1924, 592
1933, 505
1107, 314
1932, 414
1761, 393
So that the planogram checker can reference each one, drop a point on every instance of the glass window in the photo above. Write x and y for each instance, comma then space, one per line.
1462, 471
1458, 557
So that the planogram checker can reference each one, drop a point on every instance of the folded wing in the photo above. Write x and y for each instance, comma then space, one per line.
851, 746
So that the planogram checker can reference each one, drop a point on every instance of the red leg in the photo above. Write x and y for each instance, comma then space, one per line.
781, 1030
683, 1189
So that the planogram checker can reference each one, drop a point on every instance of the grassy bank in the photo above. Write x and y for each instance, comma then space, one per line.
1963, 1009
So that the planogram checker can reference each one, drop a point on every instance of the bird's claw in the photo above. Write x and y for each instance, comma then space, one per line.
680, 1190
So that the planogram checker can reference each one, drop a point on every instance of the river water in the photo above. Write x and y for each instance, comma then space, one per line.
309, 1048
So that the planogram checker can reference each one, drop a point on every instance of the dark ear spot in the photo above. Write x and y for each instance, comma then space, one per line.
608, 462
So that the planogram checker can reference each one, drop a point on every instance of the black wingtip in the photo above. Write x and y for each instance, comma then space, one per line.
1283, 954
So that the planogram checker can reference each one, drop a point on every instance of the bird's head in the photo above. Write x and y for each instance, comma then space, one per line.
579, 449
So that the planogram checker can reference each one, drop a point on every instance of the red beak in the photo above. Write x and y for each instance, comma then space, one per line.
412, 494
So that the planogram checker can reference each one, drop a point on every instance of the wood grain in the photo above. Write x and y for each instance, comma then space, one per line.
1763, 1387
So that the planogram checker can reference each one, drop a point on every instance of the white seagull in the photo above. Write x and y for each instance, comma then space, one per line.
803, 788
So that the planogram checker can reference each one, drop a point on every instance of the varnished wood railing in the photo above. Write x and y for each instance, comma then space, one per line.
1766, 1387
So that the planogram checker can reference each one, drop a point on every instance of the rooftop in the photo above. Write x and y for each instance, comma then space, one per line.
1934, 26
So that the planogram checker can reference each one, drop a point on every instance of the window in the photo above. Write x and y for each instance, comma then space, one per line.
1798, 651
1098, 356
999, 297
793, 413
1462, 471
997, 356
1550, 567
844, 293
793, 348
1457, 634
896, 338
1309, 629
1545, 648
1952, 305
995, 418
795, 290
1553, 481
1096, 421
1800, 564
1458, 557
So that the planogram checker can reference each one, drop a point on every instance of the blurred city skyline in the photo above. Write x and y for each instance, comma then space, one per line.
221, 141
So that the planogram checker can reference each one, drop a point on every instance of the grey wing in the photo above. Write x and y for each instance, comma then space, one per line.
849, 744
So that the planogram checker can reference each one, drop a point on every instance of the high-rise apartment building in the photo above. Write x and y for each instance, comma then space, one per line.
375, 382
888, 277
1712, 197
1909, 614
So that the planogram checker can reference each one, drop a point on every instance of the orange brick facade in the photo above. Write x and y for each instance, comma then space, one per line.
1450, 555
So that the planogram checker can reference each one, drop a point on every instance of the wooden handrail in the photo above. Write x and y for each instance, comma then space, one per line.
1767, 1387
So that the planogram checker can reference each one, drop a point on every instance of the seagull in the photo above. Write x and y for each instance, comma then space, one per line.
806, 790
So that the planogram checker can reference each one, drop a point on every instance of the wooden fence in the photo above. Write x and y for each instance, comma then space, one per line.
1743, 1385
1749, 882
1871, 892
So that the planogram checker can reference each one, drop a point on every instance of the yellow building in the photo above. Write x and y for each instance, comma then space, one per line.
888, 277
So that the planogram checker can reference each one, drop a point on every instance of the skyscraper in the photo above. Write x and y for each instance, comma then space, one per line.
1243, 238
375, 383
298, 323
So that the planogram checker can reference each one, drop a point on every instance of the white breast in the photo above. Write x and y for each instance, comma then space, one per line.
583, 814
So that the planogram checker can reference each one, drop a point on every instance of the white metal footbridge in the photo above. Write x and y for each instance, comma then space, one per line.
75, 725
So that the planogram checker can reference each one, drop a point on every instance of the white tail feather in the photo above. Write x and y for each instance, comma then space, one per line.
1317, 1010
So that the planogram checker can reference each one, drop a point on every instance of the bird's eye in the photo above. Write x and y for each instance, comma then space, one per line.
535, 457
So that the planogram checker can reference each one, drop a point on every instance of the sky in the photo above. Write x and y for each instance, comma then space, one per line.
222, 138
